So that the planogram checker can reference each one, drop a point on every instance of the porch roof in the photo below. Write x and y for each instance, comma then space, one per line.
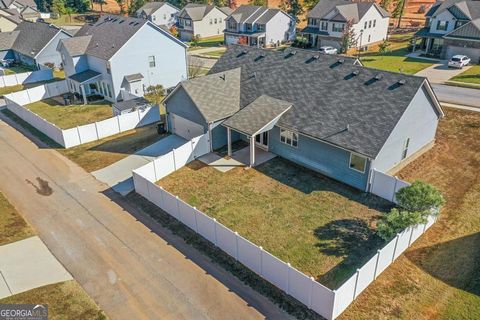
84, 76
313, 30
259, 116
425, 33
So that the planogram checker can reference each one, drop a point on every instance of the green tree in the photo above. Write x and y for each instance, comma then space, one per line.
421, 197
396, 221
58, 6
292, 7
398, 11
263, 3
349, 38
135, 5
383, 47
101, 3
155, 94
69, 11
385, 4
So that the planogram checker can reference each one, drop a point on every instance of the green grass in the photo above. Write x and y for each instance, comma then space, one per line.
322, 227
65, 300
71, 116
12, 226
207, 43
216, 54
19, 87
471, 75
17, 69
65, 20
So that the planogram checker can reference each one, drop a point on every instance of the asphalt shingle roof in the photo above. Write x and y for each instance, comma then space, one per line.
7, 39
33, 37
150, 7
353, 107
83, 76
347, 9
195, 11
468, 7
253, 14
134, 77
257, 115
76, 46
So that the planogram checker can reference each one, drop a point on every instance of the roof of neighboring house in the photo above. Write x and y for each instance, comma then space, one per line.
24, 3
253, 14
425, 32
216, 96
226, 10
314, 30
346, 10
470, 30
324, 91
83, 76
16, 19
7, 39
132, 104
76, 46
134, 77
33, 37
257, 115
195, 11
150, 7
470, 9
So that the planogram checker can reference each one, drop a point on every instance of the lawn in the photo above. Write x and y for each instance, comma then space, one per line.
471, 75
439, 276
17, 69
19, 87
71, 116
215, 54
209, 42
65, 300
12, 225
320, 226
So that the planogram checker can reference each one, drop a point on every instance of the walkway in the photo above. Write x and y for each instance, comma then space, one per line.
240, 158
128, 263
119, 174
440, 72
27, 264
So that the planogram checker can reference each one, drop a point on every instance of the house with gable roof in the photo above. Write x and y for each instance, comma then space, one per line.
120, 57
278, 103
160, 13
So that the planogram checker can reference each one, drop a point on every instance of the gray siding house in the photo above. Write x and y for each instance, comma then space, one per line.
160, 13
451, 27
119, 57
305, 107
201, 20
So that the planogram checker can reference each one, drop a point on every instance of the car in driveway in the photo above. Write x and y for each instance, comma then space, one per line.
458, 61
328, 50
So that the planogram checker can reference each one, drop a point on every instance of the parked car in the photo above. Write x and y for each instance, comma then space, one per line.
328, 50
458, 61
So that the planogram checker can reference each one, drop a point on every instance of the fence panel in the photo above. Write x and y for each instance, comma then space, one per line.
249, 254
20, 97
366, 274
10, 80
322, 300
39, 75
344, 295
206, 226
147, 171
37, 93
21, 77
275, 270
403, 241
87, 133
417, 232
297, 284
128, 121
200, 145
183, 155
187, 214
226, 240
431, 220
140, 184
385, 257
155, 194
170, 204
383, 185
108, 127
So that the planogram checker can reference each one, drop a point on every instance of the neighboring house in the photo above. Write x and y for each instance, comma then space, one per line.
9, 20
160, 13
328, 19
19, 5
34, 44
452, 27
119, 57
323, 112
201, 20
259, 26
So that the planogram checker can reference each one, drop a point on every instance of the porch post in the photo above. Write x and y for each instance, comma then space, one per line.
414, 44
427, 44
82, 88
229, 139
252, 151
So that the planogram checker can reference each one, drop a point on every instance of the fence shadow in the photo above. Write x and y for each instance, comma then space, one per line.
455, 262
352, 239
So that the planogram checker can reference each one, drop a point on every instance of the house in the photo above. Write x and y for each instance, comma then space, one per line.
259, 26
26, 9
305, 107
33, 44
160, 13
9, 20
119, 57
328, 19
201, 20
452, 27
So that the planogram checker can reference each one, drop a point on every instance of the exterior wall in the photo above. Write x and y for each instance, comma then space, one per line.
377, 33
24, 59
220, 136
321, 157
419, 123
444, 16
7, 54
205, 29
185, 35
279, 29
170, 59
105, 80
181, 104
469, 48
49, 54
6, 25
166, 15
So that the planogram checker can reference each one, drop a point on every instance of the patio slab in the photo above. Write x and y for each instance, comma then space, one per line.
261, 156
240, 158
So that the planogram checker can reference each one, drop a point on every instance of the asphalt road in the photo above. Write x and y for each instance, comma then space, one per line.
457, 95
131, 266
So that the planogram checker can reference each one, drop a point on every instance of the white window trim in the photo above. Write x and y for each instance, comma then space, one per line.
358, 155
289, 144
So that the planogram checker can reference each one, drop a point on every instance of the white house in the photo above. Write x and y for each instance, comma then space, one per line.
201, 19
328, 19
259, 26
160, 13
119, 57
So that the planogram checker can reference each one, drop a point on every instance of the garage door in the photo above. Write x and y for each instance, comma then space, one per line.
185, 128
473, 53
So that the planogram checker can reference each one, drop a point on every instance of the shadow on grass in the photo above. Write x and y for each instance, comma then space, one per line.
455, 262
352, 239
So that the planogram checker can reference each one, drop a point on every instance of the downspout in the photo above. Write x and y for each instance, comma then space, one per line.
369, 178
210, 137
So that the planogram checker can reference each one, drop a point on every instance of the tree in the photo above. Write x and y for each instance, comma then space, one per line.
155, 94
421, 197
195, 40
263, 3
292, 7
349, 38
135, 5
383, 47
121, 4
58, 6
101, 3
69, 11
398, 11
385, 4
396, 221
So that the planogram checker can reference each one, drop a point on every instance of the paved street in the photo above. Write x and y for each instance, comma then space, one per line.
132, 267
457, 95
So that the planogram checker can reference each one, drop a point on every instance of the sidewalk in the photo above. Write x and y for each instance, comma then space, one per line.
440, 72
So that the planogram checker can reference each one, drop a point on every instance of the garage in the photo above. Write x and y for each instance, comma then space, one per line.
185, 128
472, 53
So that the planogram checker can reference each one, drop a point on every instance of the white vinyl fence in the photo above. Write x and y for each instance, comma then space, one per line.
326, 302
78, 135
25, 77
386, 186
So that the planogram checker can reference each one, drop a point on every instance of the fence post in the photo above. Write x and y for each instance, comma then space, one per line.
174, 161
96, 131
195, 216
289, 266
178, 209
395, 248
236, 245
79, 137
28, 95
261, 260
161, 196
118, 122
410, 238
334, 304
155, 170
376, 265
394, 188
310, 298
139, 118
356, 283
215, 231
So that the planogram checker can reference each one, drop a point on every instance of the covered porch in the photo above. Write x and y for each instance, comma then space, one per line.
430, 43
253, 39
86, 84
255, 121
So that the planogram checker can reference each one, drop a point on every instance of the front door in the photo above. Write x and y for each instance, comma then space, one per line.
261, 140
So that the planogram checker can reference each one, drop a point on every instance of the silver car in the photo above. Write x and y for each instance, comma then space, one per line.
458, 61
328, 50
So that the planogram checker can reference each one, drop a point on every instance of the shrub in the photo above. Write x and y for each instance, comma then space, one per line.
420, 196
396, 221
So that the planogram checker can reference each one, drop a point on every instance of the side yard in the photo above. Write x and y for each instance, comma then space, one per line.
206, 43
471, 76
438, 277
320, 226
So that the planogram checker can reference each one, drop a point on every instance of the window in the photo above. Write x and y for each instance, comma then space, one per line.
289, 137
324, 26
366, 24
215, 21
188, 23
165, 16
374, 23
459, 23
337, 27
442, 25
151, 61
248, 26
357, 162
405, 148
369, 36
219, 20
312, 22
231, 24
154, 18
211, 21
109, 91
370, 23
260, 27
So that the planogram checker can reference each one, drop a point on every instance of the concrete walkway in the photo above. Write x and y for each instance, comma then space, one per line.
28, 264
205, 50
440, 72
240, 158
119, 174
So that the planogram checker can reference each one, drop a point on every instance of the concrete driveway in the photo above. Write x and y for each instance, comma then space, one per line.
440, 72
28, 264
119, 174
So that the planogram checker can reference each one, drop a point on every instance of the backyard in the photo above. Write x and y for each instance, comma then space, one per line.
209, 42
322, 227
71, 116
438, 277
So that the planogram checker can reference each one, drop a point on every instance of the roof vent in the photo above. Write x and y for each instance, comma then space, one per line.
379, 76
121, 21
355, 73
244, 51
316, 57
341, 61
402, 82
253, 76
223, 77
293, 52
